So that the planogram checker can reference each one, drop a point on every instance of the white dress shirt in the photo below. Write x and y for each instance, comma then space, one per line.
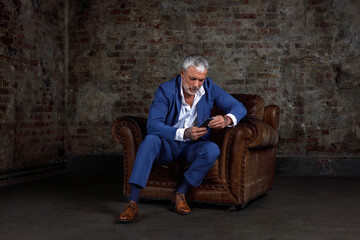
188, 115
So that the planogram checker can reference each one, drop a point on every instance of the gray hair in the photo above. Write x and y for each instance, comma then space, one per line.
196, 61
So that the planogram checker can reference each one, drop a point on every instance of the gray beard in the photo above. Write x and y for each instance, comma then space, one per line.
189, 92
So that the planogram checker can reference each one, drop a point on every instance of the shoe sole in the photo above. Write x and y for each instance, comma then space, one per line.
182, 213
127, 221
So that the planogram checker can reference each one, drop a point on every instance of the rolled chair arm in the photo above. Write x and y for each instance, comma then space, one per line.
129, 127
272, 115
263, 134
129, 132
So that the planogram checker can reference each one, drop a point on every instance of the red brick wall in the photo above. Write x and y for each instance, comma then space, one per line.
301, 55
32, 90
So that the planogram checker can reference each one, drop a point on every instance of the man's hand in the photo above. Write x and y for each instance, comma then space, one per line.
220, 122
193, 133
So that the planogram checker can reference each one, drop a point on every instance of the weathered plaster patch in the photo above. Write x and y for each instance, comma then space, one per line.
95, 105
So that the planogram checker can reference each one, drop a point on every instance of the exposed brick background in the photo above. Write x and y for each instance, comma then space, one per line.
32, 90
301, 55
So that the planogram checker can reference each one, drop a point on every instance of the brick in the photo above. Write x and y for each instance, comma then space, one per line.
267, 76
311, 140
315, 2
6, 40
314, 148
81, 131
5, 91
3, 108
245, 16
119, 52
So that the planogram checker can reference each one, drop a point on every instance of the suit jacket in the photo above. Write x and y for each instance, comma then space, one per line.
165, 108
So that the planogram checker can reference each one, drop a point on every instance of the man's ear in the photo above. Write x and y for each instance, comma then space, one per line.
182, 73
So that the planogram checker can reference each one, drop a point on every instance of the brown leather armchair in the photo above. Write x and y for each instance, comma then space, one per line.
244, 170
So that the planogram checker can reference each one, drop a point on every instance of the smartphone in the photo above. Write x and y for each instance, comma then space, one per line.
206, 123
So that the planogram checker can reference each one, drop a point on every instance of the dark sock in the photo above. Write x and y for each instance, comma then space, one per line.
184, 186
134, 192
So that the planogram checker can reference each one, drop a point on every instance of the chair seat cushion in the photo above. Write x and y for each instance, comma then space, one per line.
173, 173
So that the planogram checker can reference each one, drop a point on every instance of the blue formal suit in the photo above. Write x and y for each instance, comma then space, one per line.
160, 145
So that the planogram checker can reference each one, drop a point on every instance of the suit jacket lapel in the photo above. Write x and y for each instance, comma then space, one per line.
200, 109
177, 98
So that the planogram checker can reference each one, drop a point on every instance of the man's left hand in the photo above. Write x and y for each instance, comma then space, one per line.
220, 122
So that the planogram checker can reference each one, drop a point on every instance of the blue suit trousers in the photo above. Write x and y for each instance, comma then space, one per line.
200, 154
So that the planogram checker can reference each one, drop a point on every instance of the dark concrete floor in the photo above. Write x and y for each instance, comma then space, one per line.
83, 203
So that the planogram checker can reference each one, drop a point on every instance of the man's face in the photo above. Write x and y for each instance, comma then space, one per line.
192, 80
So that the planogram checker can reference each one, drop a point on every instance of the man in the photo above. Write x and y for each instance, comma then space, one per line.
179, 107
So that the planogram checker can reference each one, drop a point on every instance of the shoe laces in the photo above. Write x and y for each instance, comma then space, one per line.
182, 197
132, 206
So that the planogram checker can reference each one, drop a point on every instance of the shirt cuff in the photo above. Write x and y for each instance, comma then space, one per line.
233, 118
179, 136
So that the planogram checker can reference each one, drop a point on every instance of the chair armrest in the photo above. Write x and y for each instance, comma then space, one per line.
234, 145
272, 116
129, 130
238, 141
263, 134
247, 134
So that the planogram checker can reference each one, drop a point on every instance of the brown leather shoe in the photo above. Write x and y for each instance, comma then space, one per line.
130, 212
181, 206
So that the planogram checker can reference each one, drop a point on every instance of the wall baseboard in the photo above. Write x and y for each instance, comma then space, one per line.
318, 166
30, 174
112, 164
285, 166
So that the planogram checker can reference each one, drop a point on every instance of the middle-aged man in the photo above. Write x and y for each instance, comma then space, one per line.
179, 108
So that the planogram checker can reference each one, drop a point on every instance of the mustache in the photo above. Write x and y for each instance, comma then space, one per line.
194, 88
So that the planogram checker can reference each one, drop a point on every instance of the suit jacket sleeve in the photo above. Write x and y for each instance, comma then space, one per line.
228, 103
158, 112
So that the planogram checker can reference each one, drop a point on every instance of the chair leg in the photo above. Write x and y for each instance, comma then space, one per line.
235, 208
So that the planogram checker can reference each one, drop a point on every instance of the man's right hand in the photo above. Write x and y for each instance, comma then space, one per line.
193, 133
